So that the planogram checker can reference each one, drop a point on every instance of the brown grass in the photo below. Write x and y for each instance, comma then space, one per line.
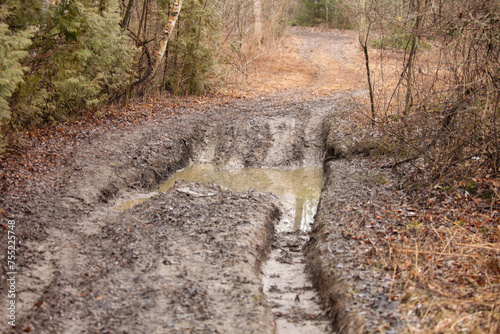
447, 270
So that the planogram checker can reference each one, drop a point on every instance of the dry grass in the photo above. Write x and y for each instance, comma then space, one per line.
443, 249
445, 263
281, 69
389, 83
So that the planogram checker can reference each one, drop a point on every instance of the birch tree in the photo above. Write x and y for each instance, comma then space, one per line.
165, 36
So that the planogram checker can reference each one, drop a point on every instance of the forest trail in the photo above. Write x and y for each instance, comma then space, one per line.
310, 62
189, 259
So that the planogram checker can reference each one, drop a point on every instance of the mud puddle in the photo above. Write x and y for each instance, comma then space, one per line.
289, 292
298, 189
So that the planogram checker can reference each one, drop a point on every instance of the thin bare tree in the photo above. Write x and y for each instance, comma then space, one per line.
257, 10
165, 36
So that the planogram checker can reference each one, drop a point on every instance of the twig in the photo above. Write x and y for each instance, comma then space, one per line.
378, 252
439, 235
491, 315
393, 278
444, 294
446, 254
462, 319
495, 249
448, 243
416, 255
397, 163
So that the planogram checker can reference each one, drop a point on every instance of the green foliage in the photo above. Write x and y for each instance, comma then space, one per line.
99, 63
310, 12
13, 45
12, 52
79, 58
190, 61
22, 14
395, 41
322, 12
400, 41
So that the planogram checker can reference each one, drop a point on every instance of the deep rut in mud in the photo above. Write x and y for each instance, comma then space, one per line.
289, 291
193, 259
280, 142
186, 260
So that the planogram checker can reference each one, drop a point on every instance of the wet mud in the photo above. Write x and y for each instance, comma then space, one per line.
193, 259
298, 189
290, 293
187, 259
288, 290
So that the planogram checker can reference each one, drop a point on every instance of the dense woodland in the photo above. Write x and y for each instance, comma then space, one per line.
439, 97
434, 81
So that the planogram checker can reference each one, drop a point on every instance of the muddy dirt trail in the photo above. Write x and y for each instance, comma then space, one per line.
204, 258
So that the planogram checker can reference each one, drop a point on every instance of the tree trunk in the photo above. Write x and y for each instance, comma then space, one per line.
257, 10
126, 17
172, 19
411, 57
370, 87
142, 22
137, 43
364, 31
326, 14
362, 23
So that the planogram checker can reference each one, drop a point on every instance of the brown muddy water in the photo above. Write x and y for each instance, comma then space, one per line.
289, 291
298, 189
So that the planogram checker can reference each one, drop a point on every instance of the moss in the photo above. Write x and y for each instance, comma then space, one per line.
414, 225
380, 179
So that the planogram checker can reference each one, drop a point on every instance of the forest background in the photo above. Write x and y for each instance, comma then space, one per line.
434, 81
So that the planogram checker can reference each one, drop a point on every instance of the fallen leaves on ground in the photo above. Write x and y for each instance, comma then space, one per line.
442, 247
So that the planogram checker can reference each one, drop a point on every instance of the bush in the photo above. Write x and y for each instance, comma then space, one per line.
13, 45
397, 41
322, 12
79, 58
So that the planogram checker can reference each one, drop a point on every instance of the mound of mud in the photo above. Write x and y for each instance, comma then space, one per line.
187, 261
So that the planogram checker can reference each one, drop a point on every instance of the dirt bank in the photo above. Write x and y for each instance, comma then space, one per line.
357, 294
